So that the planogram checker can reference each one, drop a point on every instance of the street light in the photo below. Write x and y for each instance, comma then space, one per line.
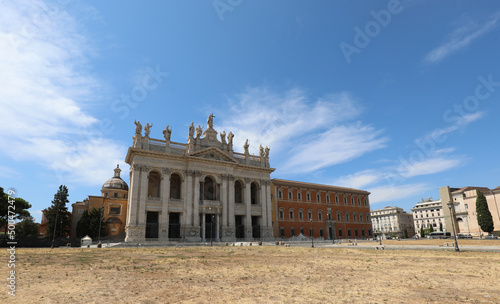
312, 236
450, 204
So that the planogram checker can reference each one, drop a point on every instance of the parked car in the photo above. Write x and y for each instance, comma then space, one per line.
491, 237
464, 236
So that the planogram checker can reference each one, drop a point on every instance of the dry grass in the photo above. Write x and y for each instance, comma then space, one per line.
253, 275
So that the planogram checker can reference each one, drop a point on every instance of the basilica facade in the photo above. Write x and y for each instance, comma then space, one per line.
197, 191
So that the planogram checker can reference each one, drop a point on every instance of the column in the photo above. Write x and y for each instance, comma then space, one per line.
203, 227
131, 229
189, 198
217, 227
248, 218
269, 204
263, 203
133, 196
224, 200
143, 194
165, 195
231, 202
196, 200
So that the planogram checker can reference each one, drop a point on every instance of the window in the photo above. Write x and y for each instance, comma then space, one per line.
348, 232
352, 200
366, 202
359, 201
328, 198
175, 186
318, 198
291, 213
338, 216
280, 194
347, 216
308, 196
299, 196
282, 232
340, 232
302, 230
301, 214
336, 198
114, 209
354, 217
289, 194
282, 213
356, 232
361, 217
320, 215
345, 200
115, 195
309, 214
292, 231
321, 232
466, 206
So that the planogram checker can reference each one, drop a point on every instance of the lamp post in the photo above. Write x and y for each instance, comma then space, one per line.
450, 204
312, 236
100, 221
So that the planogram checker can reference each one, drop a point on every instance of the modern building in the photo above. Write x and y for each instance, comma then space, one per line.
464, 200
197, 191
114, 195
321, 211
428, 213
392, 221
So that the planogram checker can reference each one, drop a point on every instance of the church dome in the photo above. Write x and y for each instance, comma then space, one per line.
116, 182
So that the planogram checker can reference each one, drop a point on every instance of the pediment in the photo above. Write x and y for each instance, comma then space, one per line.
213, 153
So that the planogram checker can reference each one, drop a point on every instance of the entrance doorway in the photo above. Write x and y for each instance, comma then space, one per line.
151, 225
174, 225
240, 228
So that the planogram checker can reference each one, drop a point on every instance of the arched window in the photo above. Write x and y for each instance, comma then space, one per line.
175, 186
238, 192
254, 193
354, 217
154, 180
339, 217
209, 189
347, 216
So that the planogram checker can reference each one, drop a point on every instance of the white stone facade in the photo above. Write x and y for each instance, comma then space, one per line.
198, 191
428, 213
392, 221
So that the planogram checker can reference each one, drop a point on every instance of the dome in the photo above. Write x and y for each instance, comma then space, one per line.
116, 182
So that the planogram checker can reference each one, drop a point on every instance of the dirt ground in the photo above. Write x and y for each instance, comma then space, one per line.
257, 274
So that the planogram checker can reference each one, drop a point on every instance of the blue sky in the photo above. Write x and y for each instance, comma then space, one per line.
397, 98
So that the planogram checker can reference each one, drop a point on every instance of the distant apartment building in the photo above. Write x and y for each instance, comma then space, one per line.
320, 211
465, 209
392, 221
428, 213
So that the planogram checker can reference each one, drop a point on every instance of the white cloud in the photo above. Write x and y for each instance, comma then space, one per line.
461, 38
359, 180
308, 135
427, 166
390, 193
46, 87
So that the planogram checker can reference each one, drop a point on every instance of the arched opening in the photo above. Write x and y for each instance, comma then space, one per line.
254, 193
175, 186
154, 180
238, 192
209, 189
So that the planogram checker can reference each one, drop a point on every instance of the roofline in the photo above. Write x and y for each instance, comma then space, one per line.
321, 186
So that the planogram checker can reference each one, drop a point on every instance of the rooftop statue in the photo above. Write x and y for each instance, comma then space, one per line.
167, 133
210, 121
191, 130
223, 137
230, 138
199, 131
245, 146
147, 129
138, 128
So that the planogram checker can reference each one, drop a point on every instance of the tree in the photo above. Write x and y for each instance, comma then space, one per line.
431, 229
422, 232
18, 212
405, 233
440, 226
89, 224
60, 211
27, 227
483, 213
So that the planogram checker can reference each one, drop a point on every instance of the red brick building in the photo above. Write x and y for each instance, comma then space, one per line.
321, 210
